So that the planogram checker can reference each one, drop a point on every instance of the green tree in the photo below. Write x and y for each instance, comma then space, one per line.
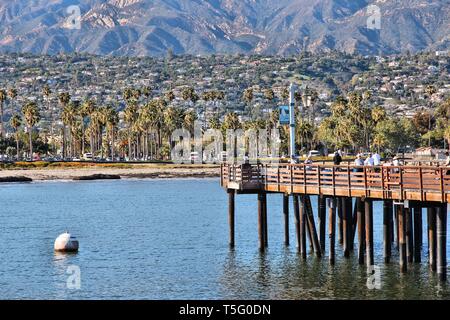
16, 122
32, 116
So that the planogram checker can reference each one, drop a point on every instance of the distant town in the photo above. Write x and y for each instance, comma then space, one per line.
67, 106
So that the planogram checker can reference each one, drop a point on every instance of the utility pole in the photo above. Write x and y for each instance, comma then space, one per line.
292, 120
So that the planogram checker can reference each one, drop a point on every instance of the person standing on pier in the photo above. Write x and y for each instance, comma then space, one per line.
337, 158
359, 162
376, 159
369, 161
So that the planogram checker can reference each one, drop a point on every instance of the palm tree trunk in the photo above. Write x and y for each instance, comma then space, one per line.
63, 142
2, 131
82, 138
17, 144
112, 144
129, 146
31, 143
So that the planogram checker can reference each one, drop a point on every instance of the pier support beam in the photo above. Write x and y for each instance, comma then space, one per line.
322, 221
409, 235
332, 228
286, 218
297, 220
369, 231
302, 229
339, 220
231, 215
441, 245
397, 234
387, 232
417, 234
351, 223
431, 215
402, 238
347, 226
360, 215
266, 232
261, 227
312, 225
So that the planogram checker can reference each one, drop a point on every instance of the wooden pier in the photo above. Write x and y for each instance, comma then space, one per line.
349, 193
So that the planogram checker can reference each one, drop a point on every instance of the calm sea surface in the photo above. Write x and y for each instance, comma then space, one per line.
168, 239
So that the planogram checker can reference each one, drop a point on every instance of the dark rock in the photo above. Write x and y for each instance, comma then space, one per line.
15, 179
98, 177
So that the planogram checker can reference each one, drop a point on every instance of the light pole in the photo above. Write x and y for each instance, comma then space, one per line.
292, 89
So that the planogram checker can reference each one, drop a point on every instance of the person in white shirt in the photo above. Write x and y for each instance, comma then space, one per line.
376, 159
369, 160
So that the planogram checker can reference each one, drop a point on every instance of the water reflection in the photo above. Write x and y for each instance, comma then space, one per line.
285, 275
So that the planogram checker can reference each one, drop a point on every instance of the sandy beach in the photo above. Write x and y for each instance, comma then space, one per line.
137, 171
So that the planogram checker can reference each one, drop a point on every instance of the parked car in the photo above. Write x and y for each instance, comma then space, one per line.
314, 153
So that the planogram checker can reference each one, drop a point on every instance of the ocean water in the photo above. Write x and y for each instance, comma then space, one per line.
168, 239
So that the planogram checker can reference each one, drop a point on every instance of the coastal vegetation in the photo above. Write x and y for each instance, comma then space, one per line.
342, 103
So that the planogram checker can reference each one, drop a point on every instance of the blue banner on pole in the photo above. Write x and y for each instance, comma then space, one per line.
284, 114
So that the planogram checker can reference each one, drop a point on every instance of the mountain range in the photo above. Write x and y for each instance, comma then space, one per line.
284, 27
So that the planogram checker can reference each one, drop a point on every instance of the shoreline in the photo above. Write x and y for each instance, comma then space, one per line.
134, 172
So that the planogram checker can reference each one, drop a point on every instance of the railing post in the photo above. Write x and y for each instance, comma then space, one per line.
421, 183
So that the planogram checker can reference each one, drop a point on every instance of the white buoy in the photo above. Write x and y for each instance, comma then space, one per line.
66, 243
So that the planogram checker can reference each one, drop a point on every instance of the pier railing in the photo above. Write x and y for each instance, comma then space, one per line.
422, 183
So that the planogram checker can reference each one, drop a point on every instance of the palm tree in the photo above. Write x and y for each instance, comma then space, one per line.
46, 92
64, 99
173, 119
2, 101
147, 93
111, 118
430, 90
247, 97
12, 94
189, 119
87, 108
130, 117
69, 118
231, 122
31, 115
190, 96
16, 122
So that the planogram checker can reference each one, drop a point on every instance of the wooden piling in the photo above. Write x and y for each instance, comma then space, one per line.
417, 234
302, 230
369, 231
286, 218
322, 221
312, 226
339, 220
361, 229
409, 235
431, 215
332, 228
397, 235
231, 216
402, 238
441, 241
346, 223
266, 232
387, 232
350, 222
261, 221
297, 220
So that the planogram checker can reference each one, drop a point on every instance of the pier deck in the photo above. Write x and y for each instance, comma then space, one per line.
349, 192
421, 183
